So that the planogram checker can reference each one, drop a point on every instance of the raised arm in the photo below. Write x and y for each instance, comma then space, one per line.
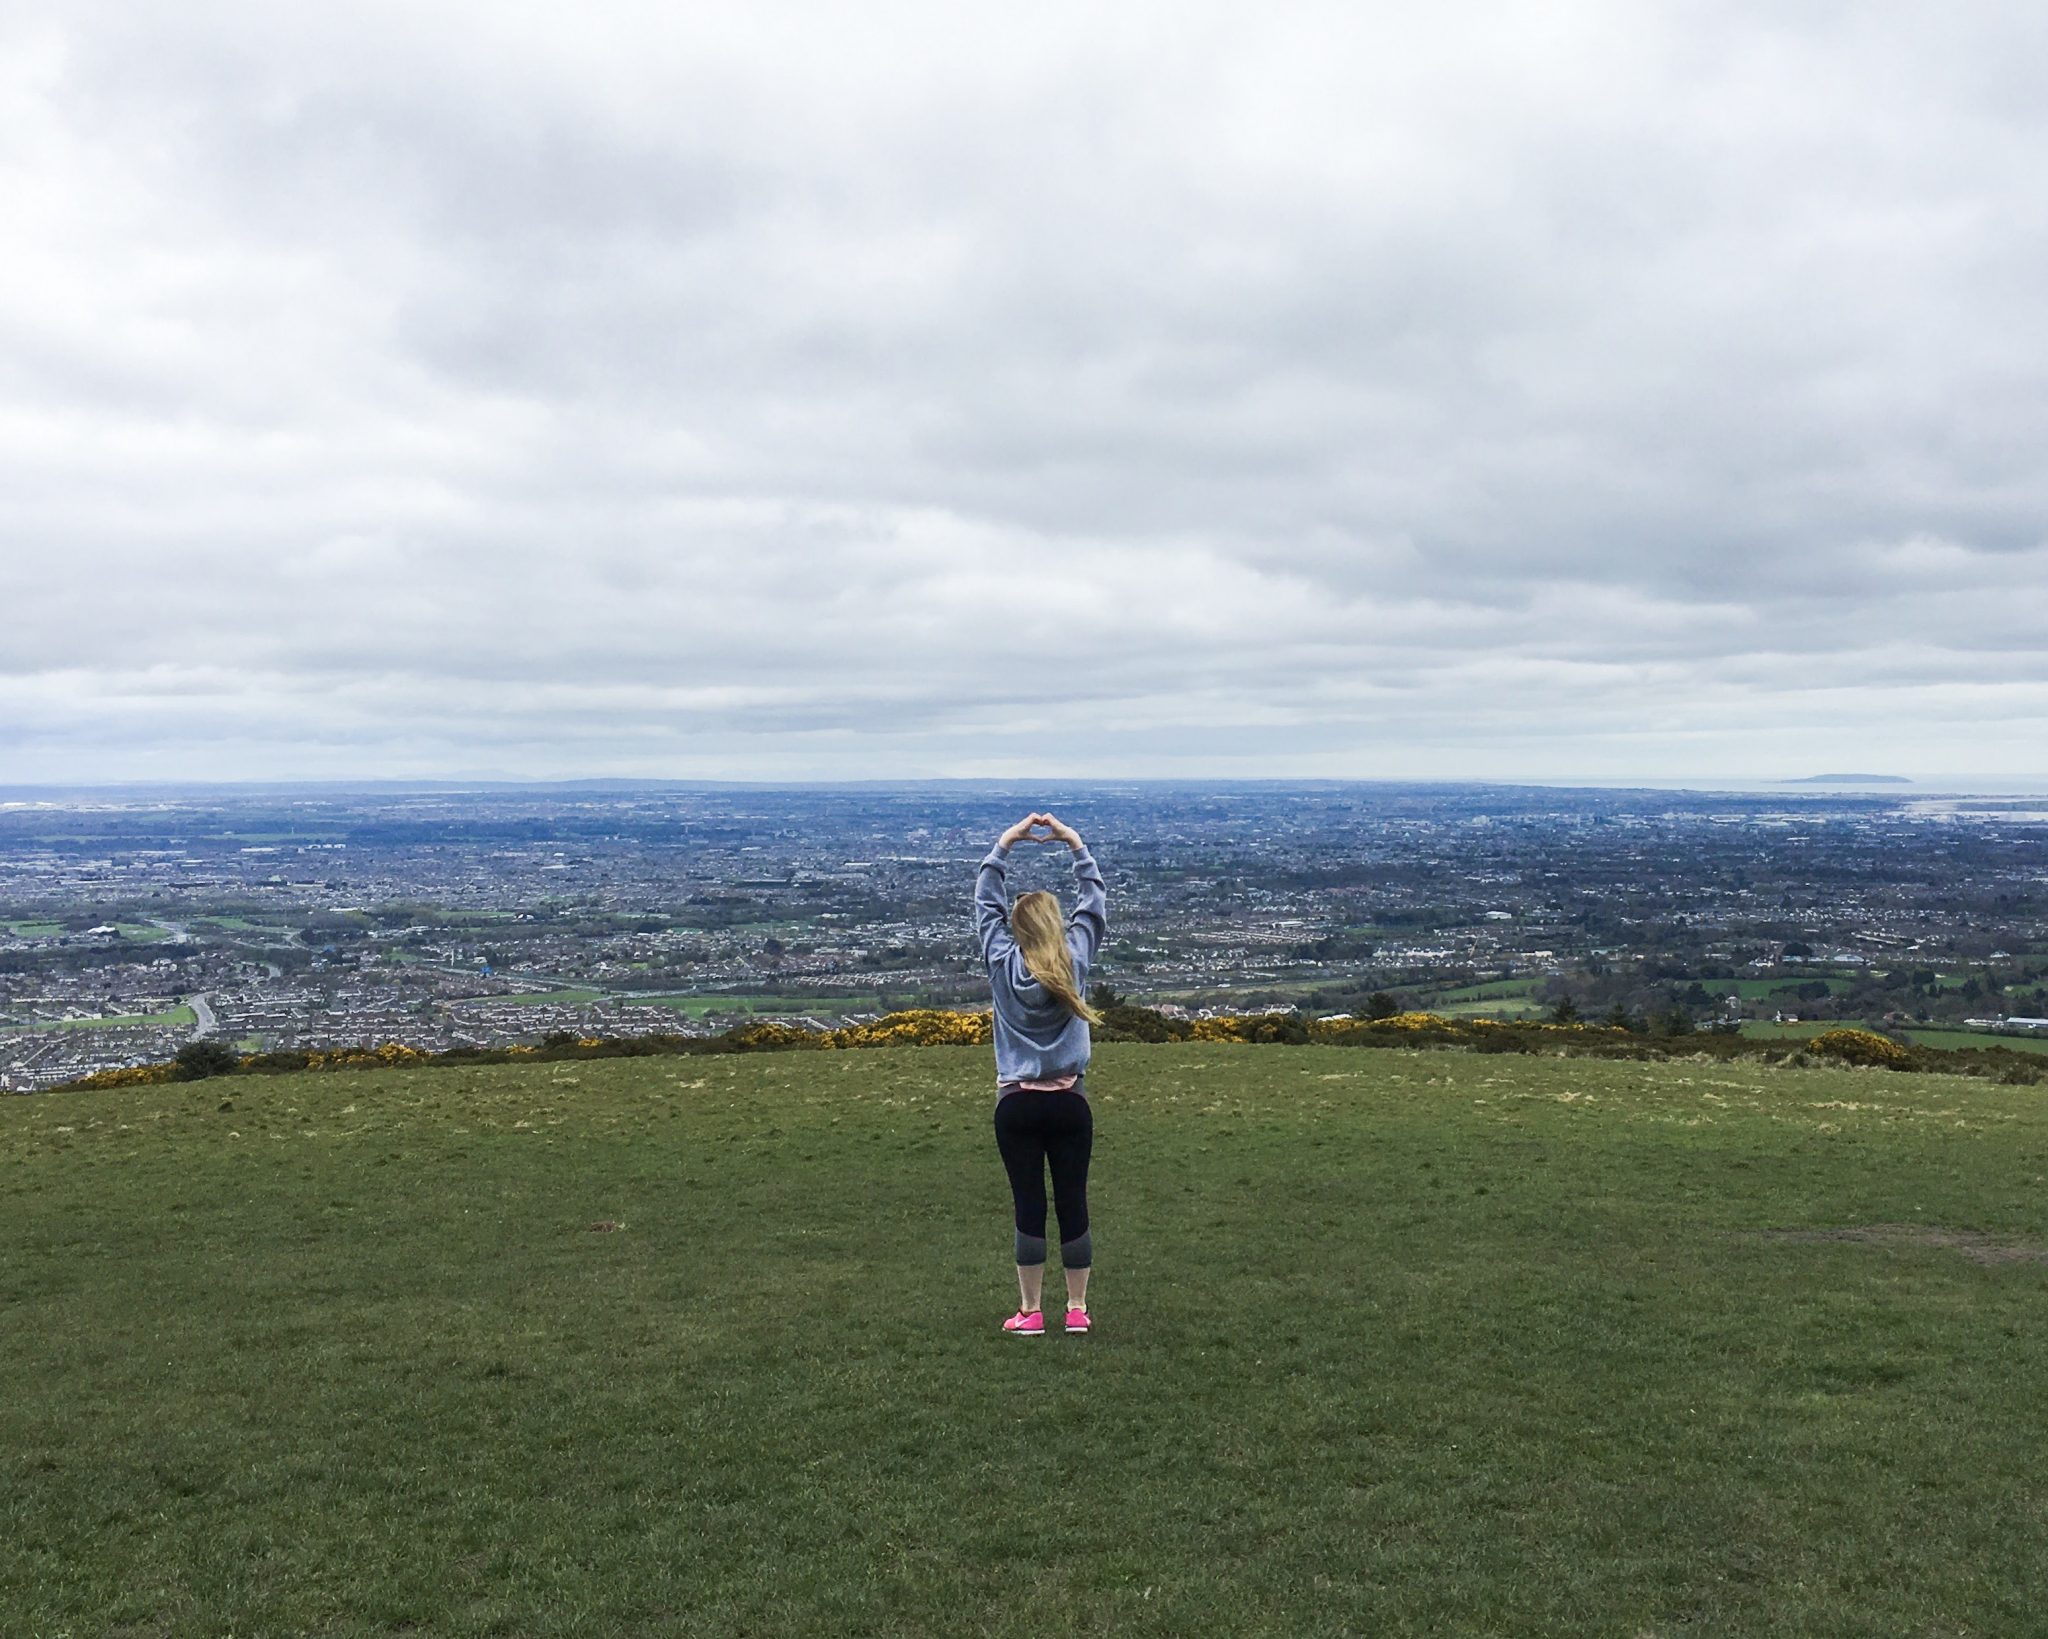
1090, 921
991, 901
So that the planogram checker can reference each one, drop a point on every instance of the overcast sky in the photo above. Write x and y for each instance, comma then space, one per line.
1504, 391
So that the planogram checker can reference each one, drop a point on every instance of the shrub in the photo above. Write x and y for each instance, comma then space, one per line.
1123, 1021
1289, 1029
935, 1027
1864, 1047
770, 1038
197, 1060
136, 1075
918, 1027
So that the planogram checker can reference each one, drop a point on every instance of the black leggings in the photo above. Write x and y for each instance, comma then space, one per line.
1032, 1129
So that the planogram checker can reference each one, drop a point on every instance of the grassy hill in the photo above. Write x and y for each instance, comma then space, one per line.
1388, 1343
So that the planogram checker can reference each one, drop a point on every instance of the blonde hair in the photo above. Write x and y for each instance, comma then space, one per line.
1040, 933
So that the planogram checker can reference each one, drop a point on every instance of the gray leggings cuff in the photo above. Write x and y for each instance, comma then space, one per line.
1030, 1248
1078, 1253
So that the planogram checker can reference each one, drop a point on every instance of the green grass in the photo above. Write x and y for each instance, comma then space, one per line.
1506, 1008
700, 1006
1388, 1343
1488, 999
1806, 1029
1489, 990
1252, 993
172, 1016
1751, 990
136, 933
1978, 1038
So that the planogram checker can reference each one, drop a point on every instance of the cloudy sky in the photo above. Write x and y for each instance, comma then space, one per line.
1509, 391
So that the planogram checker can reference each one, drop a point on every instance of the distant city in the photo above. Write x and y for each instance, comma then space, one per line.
135, 920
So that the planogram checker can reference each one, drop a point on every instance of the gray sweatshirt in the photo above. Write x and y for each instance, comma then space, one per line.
1037, 1039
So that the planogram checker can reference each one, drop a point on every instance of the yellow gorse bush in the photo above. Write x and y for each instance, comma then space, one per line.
1393, 1025
918, 1027
915, 1027
138, 1075
1861, 1047
365, 1058
771, 1036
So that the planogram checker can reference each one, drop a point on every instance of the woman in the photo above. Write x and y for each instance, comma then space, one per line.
1038, 976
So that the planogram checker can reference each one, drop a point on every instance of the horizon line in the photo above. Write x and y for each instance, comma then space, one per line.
1935, 783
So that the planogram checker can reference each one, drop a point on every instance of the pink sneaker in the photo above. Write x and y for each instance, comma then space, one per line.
1077, 1320
1022, 1325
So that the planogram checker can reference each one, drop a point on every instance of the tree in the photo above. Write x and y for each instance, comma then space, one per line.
197, 1060
1677, 1022
1618, 1019
1379, 1005
1566, 1011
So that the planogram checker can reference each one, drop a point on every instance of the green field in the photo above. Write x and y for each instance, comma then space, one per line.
1978, 1038
1500, 1007
1508, 1009
169, 1017
173, 1016
701, 1006
1752, 990
1489, 999
1489, 990
1387, 1344
136, 933
1806, 1029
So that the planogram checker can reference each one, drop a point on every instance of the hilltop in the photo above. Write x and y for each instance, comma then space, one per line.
1389, 1341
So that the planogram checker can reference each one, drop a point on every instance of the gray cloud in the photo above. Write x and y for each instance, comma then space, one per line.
764, 390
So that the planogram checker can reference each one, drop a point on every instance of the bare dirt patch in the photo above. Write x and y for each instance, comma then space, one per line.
1972, 1244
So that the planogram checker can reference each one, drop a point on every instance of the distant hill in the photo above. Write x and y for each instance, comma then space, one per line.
1850, 779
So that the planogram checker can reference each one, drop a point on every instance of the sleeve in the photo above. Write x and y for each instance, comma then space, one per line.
1090, 921
992, 907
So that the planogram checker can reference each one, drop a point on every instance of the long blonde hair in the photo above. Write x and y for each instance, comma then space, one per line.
1041, 935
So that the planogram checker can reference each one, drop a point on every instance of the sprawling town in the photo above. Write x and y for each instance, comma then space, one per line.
134, 921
